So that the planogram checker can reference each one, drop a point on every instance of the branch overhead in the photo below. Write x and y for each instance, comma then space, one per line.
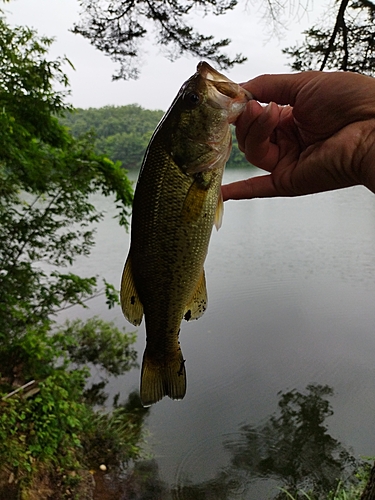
117, 28
344, 41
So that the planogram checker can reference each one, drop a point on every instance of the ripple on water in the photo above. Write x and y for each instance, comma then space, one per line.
189, 482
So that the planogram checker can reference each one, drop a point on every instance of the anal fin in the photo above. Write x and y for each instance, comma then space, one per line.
131, 305
198, 302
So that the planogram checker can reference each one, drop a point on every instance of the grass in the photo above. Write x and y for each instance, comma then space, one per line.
350, 493
343, 491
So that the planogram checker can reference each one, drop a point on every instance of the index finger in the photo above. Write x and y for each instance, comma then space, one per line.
282, 89
256, 187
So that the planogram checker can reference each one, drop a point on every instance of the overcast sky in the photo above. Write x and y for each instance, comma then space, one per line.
91, 82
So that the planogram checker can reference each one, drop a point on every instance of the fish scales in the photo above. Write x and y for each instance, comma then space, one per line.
176, 201
174, 251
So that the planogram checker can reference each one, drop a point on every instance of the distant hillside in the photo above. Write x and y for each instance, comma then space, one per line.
123, 132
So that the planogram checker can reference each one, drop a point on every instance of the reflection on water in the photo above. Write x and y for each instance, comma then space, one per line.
293, 446
291, 452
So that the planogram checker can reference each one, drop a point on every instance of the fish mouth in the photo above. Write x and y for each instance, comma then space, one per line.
223, 92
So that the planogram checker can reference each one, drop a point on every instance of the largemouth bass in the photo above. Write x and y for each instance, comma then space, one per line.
176, 203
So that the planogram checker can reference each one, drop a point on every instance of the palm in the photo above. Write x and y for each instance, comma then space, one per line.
310, 160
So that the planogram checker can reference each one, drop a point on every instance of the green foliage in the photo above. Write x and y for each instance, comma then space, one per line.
123, 133
236, 158
26, 84
43, 428
97, 341
57, 427
112, 120
47, 220
113, 439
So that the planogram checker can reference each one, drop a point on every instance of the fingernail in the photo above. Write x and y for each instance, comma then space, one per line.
265, 114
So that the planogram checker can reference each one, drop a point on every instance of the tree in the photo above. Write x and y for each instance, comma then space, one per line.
117, 29
294, 446
47, 177
343, 42
46, 220
122, 132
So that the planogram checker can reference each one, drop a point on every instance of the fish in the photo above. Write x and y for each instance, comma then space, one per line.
177, 201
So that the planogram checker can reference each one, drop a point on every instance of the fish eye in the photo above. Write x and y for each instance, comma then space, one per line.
192, 98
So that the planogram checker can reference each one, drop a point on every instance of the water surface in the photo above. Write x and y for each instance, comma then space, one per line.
291, 287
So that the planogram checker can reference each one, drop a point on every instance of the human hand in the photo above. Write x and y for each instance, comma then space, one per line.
316, 134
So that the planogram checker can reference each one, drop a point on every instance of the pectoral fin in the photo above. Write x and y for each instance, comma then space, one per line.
198, 303
219, 212
131, 305
195, 199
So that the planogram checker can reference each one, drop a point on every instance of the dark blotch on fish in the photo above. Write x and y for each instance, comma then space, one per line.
187, 315
180, 371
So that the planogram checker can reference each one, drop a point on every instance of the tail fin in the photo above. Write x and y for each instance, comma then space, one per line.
159, 379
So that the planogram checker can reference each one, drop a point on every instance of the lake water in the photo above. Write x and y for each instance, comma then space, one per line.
291, 303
